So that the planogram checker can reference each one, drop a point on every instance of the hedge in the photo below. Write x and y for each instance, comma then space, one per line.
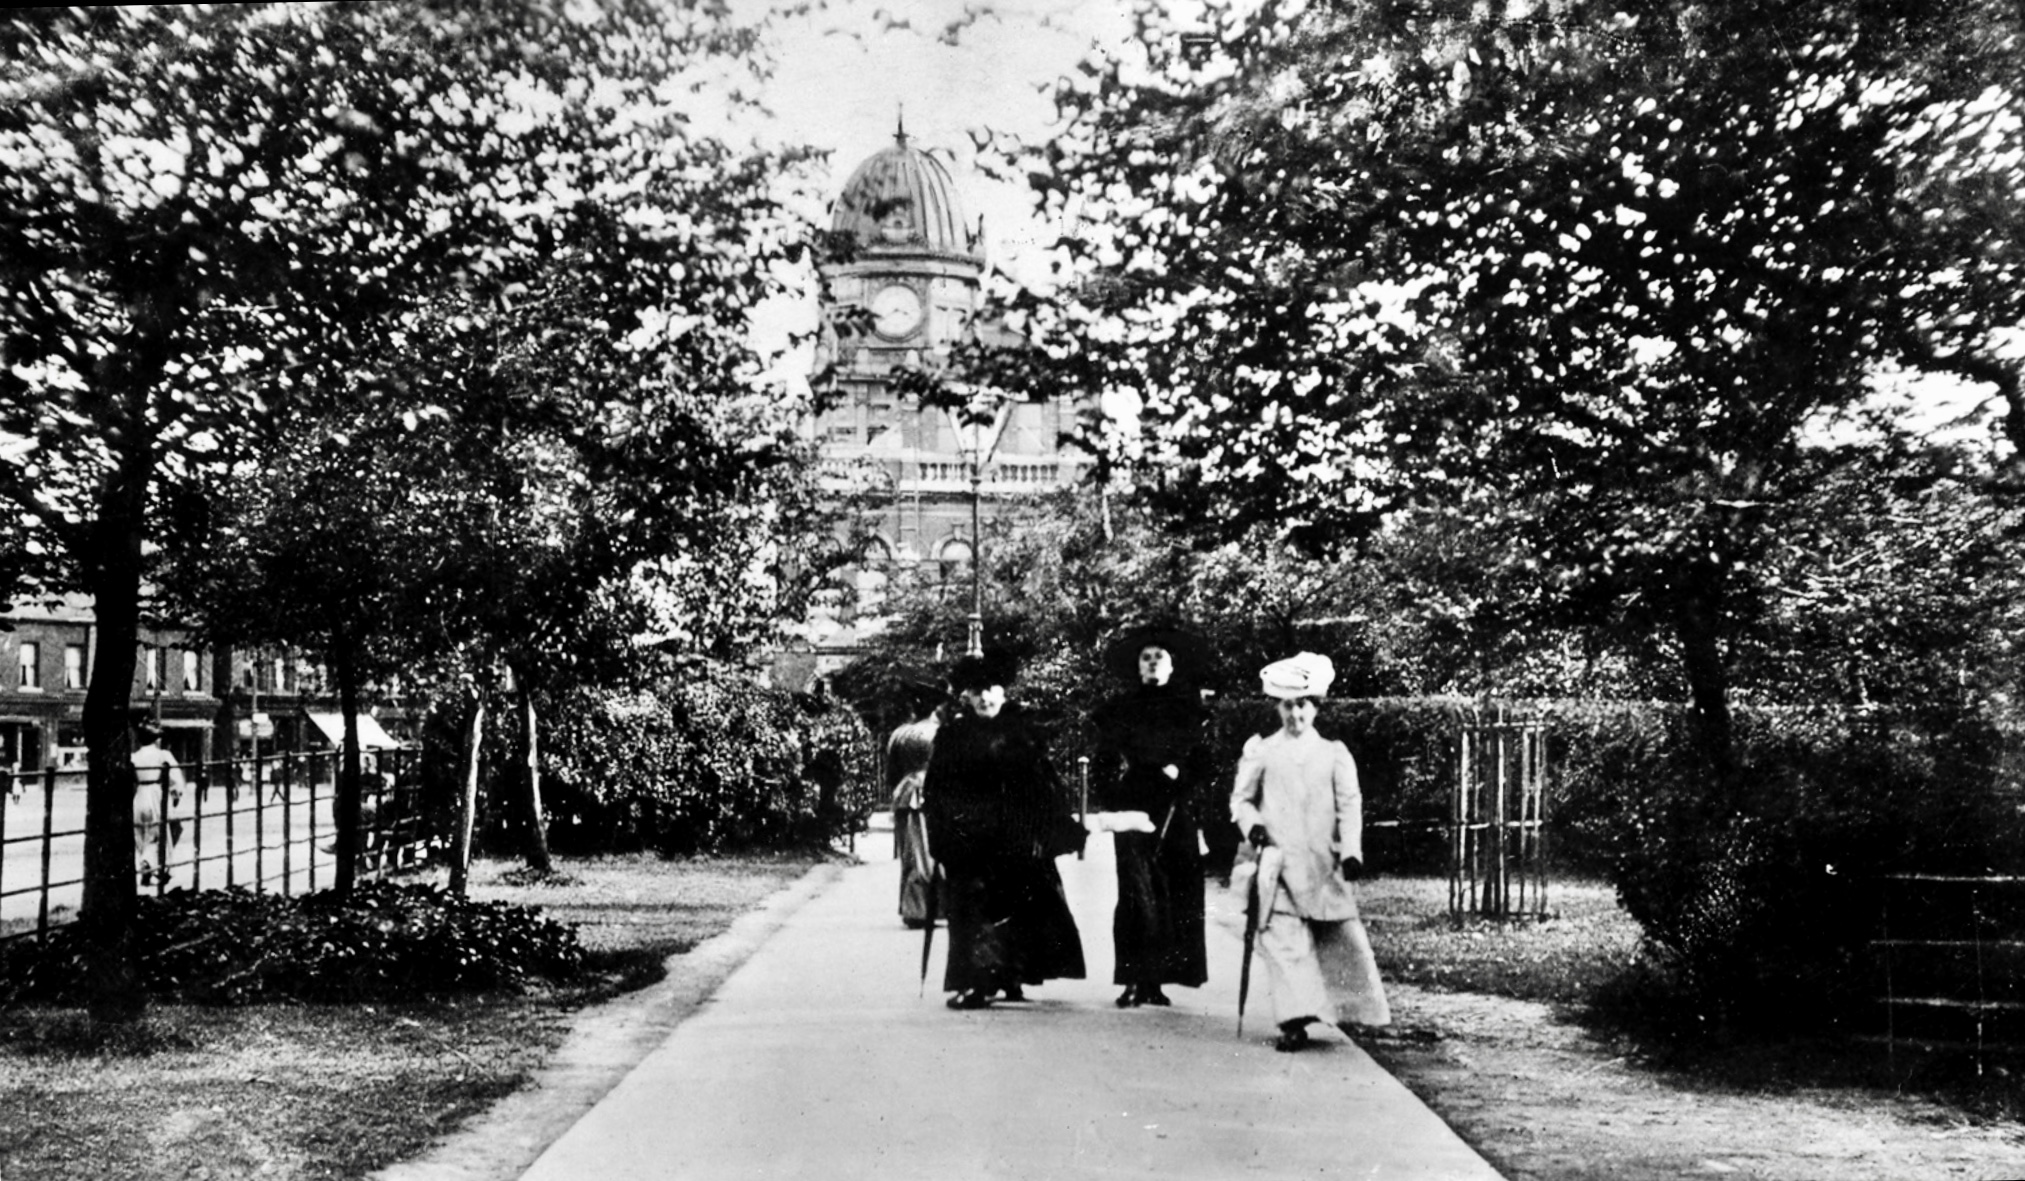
708, 762
1760, 914
383, 942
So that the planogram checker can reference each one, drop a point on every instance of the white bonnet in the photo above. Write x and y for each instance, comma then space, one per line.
1304, 674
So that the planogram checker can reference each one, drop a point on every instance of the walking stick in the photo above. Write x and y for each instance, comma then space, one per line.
932, 903
1083, 798
1258, 908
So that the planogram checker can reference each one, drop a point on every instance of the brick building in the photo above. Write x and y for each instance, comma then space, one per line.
913, 292
270, 701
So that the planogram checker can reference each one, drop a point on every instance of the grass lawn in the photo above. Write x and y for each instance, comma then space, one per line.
1512, 1057
299, 1091
1561, 960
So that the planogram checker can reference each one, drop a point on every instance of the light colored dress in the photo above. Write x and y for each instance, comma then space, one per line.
1317, 956
153, 768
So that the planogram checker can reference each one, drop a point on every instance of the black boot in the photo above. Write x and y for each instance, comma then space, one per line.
1293, 1035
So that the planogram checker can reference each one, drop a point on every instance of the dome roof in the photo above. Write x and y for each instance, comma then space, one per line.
902, 200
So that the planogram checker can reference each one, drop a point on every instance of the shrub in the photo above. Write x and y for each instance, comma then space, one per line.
708, 763
1759, 915
1762, 916
385, 942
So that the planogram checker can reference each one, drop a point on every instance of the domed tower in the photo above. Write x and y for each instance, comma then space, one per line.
907, 290
917, 263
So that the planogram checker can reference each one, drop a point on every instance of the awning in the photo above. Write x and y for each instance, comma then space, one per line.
332, 727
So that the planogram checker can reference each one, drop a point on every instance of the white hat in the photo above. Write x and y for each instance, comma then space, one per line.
1304, 674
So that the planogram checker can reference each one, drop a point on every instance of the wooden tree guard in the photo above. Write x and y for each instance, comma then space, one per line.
1497, 862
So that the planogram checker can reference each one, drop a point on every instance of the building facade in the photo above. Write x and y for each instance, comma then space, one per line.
910, 295
212, 705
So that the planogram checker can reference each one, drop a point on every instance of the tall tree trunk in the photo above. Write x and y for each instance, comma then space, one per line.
346, 805
113, 575
537, 823
467, 801
1698, 623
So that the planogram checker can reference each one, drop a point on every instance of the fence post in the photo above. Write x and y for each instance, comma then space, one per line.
231, 814
308, 774
162, 832
197, 825
48, 838
259, 826
13, 782
287, 790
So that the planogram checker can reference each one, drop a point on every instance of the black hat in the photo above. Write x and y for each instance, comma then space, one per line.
1189, 650
995, 667
920, 689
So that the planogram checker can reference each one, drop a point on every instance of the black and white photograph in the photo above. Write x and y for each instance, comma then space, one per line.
755, 590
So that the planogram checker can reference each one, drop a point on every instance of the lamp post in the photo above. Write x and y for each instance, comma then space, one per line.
978, 424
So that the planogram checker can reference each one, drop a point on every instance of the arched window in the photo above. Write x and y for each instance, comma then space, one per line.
954, 557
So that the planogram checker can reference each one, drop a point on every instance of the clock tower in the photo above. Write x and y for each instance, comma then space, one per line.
909, 292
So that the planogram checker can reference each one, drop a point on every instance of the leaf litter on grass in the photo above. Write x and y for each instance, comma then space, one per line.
293, 1091
1544, 1096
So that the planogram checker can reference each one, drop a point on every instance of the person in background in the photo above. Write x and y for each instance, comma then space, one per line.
154, 769
1150, 749
1297, 792
907, 752
998, 818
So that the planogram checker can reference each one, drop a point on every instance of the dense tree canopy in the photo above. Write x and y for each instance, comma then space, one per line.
226, 232
1586, 274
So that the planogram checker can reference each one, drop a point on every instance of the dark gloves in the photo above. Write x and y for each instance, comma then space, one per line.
1258, 837
1353, 868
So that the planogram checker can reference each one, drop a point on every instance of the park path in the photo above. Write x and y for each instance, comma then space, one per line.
818, 1057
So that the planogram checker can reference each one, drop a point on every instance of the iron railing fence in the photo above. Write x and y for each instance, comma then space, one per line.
264, 824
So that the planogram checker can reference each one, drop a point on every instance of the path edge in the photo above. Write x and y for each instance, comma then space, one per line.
603, 1046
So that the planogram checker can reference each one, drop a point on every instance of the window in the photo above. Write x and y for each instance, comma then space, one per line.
73, 666
280, 675
31, 664
152, 666
954, 555
193, 681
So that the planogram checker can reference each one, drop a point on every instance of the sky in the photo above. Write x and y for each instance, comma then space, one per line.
850, 74
851, 71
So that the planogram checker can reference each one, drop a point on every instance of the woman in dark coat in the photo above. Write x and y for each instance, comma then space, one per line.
1150, 747
998, 818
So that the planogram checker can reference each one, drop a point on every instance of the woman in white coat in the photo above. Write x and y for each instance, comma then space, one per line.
1297, 792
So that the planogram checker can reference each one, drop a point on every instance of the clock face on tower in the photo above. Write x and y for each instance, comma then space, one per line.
896, 311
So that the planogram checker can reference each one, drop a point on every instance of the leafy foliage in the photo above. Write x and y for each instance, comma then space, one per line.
707, 761
1584, 277
240, 238
385, 942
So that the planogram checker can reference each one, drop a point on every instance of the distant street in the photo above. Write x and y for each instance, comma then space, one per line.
236, 843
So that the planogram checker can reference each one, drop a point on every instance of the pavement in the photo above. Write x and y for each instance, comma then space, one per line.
800, 1044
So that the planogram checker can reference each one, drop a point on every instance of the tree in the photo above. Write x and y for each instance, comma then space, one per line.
1612, 262
212, 216
1894, 582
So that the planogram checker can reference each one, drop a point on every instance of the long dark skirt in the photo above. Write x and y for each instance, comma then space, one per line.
1156, 928
1010, 925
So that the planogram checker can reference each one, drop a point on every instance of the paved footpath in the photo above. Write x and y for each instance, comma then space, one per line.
819, 1057
800, 1046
